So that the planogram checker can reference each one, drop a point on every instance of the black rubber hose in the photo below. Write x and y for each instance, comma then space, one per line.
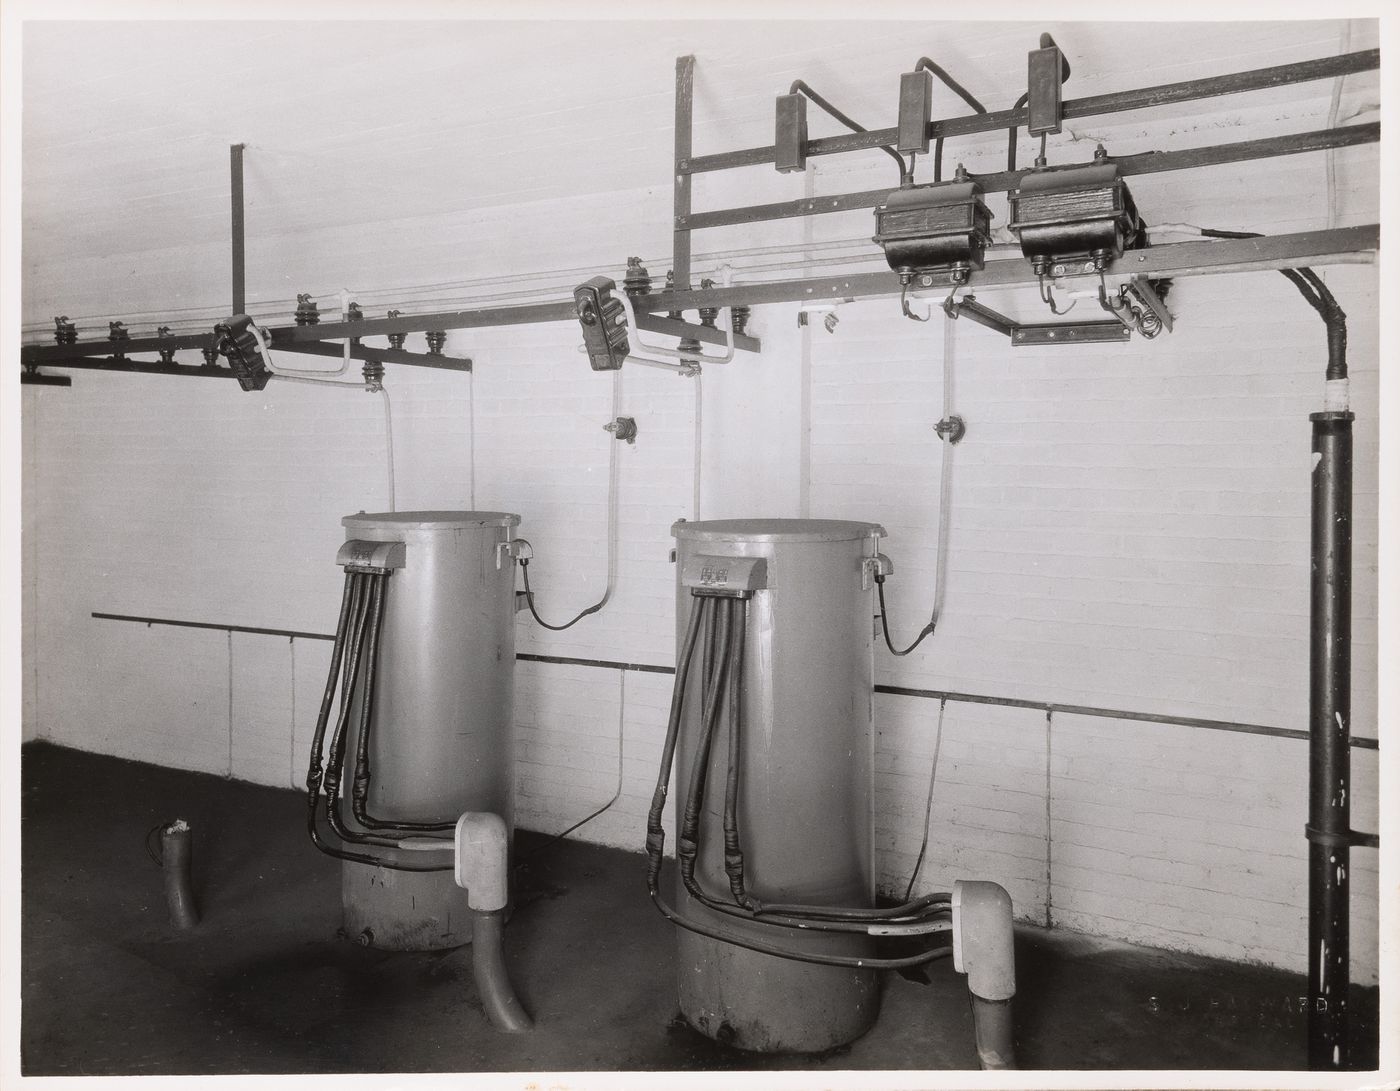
656, 832
905, 172
175, 852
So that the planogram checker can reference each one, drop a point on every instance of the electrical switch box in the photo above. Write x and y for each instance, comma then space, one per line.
604, 324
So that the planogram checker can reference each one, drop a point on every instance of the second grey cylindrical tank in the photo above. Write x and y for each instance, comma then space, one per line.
806, 786
441, 728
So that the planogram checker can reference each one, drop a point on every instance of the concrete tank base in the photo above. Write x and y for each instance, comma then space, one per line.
771, 1005
403, 910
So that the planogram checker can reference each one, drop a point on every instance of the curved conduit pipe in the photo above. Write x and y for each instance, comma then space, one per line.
175, 852
481, 869
984, 950
688, 359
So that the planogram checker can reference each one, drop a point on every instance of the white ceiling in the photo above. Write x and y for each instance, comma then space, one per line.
126, 126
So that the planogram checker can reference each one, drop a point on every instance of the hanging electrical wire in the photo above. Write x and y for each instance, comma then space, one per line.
612, 531
617, 792
928, 800
949, 432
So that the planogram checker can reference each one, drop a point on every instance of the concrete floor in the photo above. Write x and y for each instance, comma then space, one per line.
265, 985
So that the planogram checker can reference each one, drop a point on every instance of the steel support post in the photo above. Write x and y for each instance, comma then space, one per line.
1329, 753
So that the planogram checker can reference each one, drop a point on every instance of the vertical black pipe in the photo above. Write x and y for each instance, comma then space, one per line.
1329, 746
235, 167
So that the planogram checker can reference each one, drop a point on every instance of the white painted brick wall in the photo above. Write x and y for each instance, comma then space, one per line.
1129, 523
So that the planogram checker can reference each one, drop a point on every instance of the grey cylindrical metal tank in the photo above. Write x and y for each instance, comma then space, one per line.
441, 740
806, 788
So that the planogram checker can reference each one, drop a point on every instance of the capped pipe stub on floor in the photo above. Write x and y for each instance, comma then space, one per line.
429, 520
775, 530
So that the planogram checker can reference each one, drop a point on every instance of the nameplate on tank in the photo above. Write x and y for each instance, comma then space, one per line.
726, 576
360, 556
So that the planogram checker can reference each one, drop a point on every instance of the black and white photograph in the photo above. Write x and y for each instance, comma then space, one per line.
778, 546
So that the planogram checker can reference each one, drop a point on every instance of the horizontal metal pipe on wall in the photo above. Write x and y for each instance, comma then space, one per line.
1358, 742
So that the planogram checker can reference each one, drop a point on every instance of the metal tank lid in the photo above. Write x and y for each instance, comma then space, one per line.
775, 530
430, 520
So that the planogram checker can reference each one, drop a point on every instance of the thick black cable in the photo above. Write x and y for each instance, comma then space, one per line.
1011, 140
1319, 297
885, 625
957, 89
340, 740
723, 667
733, 850
800, 86
656, 831
530, 602
950, 83
688, 836
759, 946
359, 796
355, 611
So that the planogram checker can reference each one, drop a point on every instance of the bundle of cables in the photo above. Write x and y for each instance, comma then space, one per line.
716, 628
388, 844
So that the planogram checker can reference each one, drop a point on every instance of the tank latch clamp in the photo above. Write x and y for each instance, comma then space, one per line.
874, 569
515, 549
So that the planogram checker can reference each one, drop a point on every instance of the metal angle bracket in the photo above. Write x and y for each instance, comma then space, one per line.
1146, 293
1069, 333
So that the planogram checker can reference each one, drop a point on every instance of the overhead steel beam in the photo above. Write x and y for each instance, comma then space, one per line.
378, 355
142, 367
54, 354
1345, 136
1258, 79
655, 323
1315, 248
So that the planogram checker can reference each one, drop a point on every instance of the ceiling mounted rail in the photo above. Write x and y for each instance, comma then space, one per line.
1260, 79
661, 312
